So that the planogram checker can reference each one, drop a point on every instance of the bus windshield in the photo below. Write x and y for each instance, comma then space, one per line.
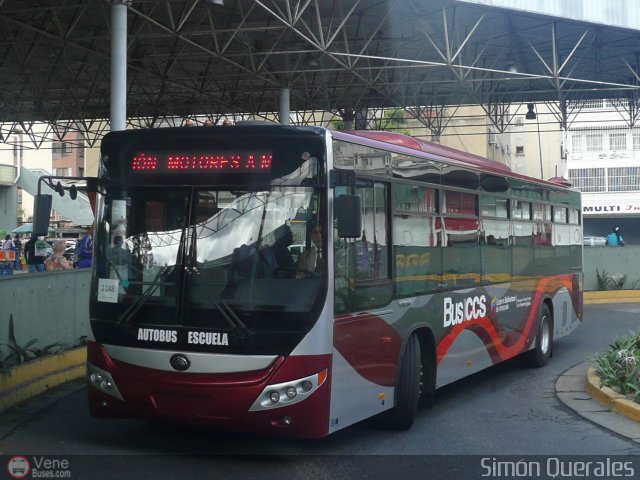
205, 257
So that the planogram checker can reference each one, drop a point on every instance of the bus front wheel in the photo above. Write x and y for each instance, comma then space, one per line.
540, 354
407, 392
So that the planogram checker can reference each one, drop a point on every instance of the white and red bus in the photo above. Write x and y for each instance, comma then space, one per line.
296, 280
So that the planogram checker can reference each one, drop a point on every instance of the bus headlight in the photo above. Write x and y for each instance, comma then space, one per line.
288, 393
102, 380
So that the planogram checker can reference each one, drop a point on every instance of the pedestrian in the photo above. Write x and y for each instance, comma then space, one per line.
614, 239
57, 261
35, 252
9, 250
84, 249
7, 244
18, 243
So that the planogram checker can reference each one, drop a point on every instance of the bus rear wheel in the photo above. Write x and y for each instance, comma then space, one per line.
407, 392
540, 354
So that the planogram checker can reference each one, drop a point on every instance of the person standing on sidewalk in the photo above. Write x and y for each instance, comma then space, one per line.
33, 252
84, 249
9, 250
614, 239
18, 244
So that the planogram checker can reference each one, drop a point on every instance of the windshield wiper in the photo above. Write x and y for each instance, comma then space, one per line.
231, 317
130, 312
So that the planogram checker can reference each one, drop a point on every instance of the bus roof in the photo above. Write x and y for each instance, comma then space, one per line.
439, 153
432, 148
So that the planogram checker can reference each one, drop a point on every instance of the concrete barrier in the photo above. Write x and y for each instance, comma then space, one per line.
50, 306
624, 260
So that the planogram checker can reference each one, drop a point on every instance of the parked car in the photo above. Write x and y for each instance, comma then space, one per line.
594, 241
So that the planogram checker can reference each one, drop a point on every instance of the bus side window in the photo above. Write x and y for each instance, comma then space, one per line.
496, 248
417, 255
362, 264
460, 239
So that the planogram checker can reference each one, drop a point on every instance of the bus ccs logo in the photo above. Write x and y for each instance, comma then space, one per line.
471, 308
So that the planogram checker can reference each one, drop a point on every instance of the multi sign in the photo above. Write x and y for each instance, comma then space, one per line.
611, 209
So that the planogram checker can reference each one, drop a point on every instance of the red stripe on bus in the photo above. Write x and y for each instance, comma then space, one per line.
499, 349
370, 345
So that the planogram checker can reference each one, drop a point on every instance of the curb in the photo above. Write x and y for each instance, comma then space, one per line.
611, 296
611, 399
32, 378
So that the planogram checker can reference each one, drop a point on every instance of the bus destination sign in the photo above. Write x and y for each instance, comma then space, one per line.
201, 162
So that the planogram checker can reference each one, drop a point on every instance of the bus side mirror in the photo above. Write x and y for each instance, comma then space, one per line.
349, 216
41, 214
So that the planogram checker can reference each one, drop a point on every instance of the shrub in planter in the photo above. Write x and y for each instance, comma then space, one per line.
19, 354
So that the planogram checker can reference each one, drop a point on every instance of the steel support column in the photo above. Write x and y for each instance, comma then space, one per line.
284, 106
118, 65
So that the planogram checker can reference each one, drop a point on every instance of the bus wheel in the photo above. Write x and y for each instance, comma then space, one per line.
407, 388
539, 356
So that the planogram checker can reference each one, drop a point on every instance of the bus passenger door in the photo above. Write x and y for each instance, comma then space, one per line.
366, 346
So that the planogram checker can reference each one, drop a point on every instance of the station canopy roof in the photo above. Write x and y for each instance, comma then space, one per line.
197, 57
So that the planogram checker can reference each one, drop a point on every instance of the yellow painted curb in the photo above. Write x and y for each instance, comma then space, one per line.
33, 378
611, 399
612, 296
627, 408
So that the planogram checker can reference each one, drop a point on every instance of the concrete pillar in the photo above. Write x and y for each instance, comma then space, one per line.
118, 65
284, 106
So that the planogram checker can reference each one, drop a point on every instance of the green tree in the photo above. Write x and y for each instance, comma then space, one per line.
391, 120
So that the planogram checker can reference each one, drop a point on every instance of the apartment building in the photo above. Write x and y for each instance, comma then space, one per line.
603, 161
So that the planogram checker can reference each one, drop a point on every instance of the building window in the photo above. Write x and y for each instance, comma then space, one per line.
618, 141
588, 179
576, 143
594, 142
519, 151
624, 179
55, 151
636, 139
66, 148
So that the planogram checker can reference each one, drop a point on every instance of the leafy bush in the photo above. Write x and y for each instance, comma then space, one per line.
19, 354
619, 366
610, 281
603, 280
616, 281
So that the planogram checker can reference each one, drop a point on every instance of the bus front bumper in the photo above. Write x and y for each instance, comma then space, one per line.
229, 401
